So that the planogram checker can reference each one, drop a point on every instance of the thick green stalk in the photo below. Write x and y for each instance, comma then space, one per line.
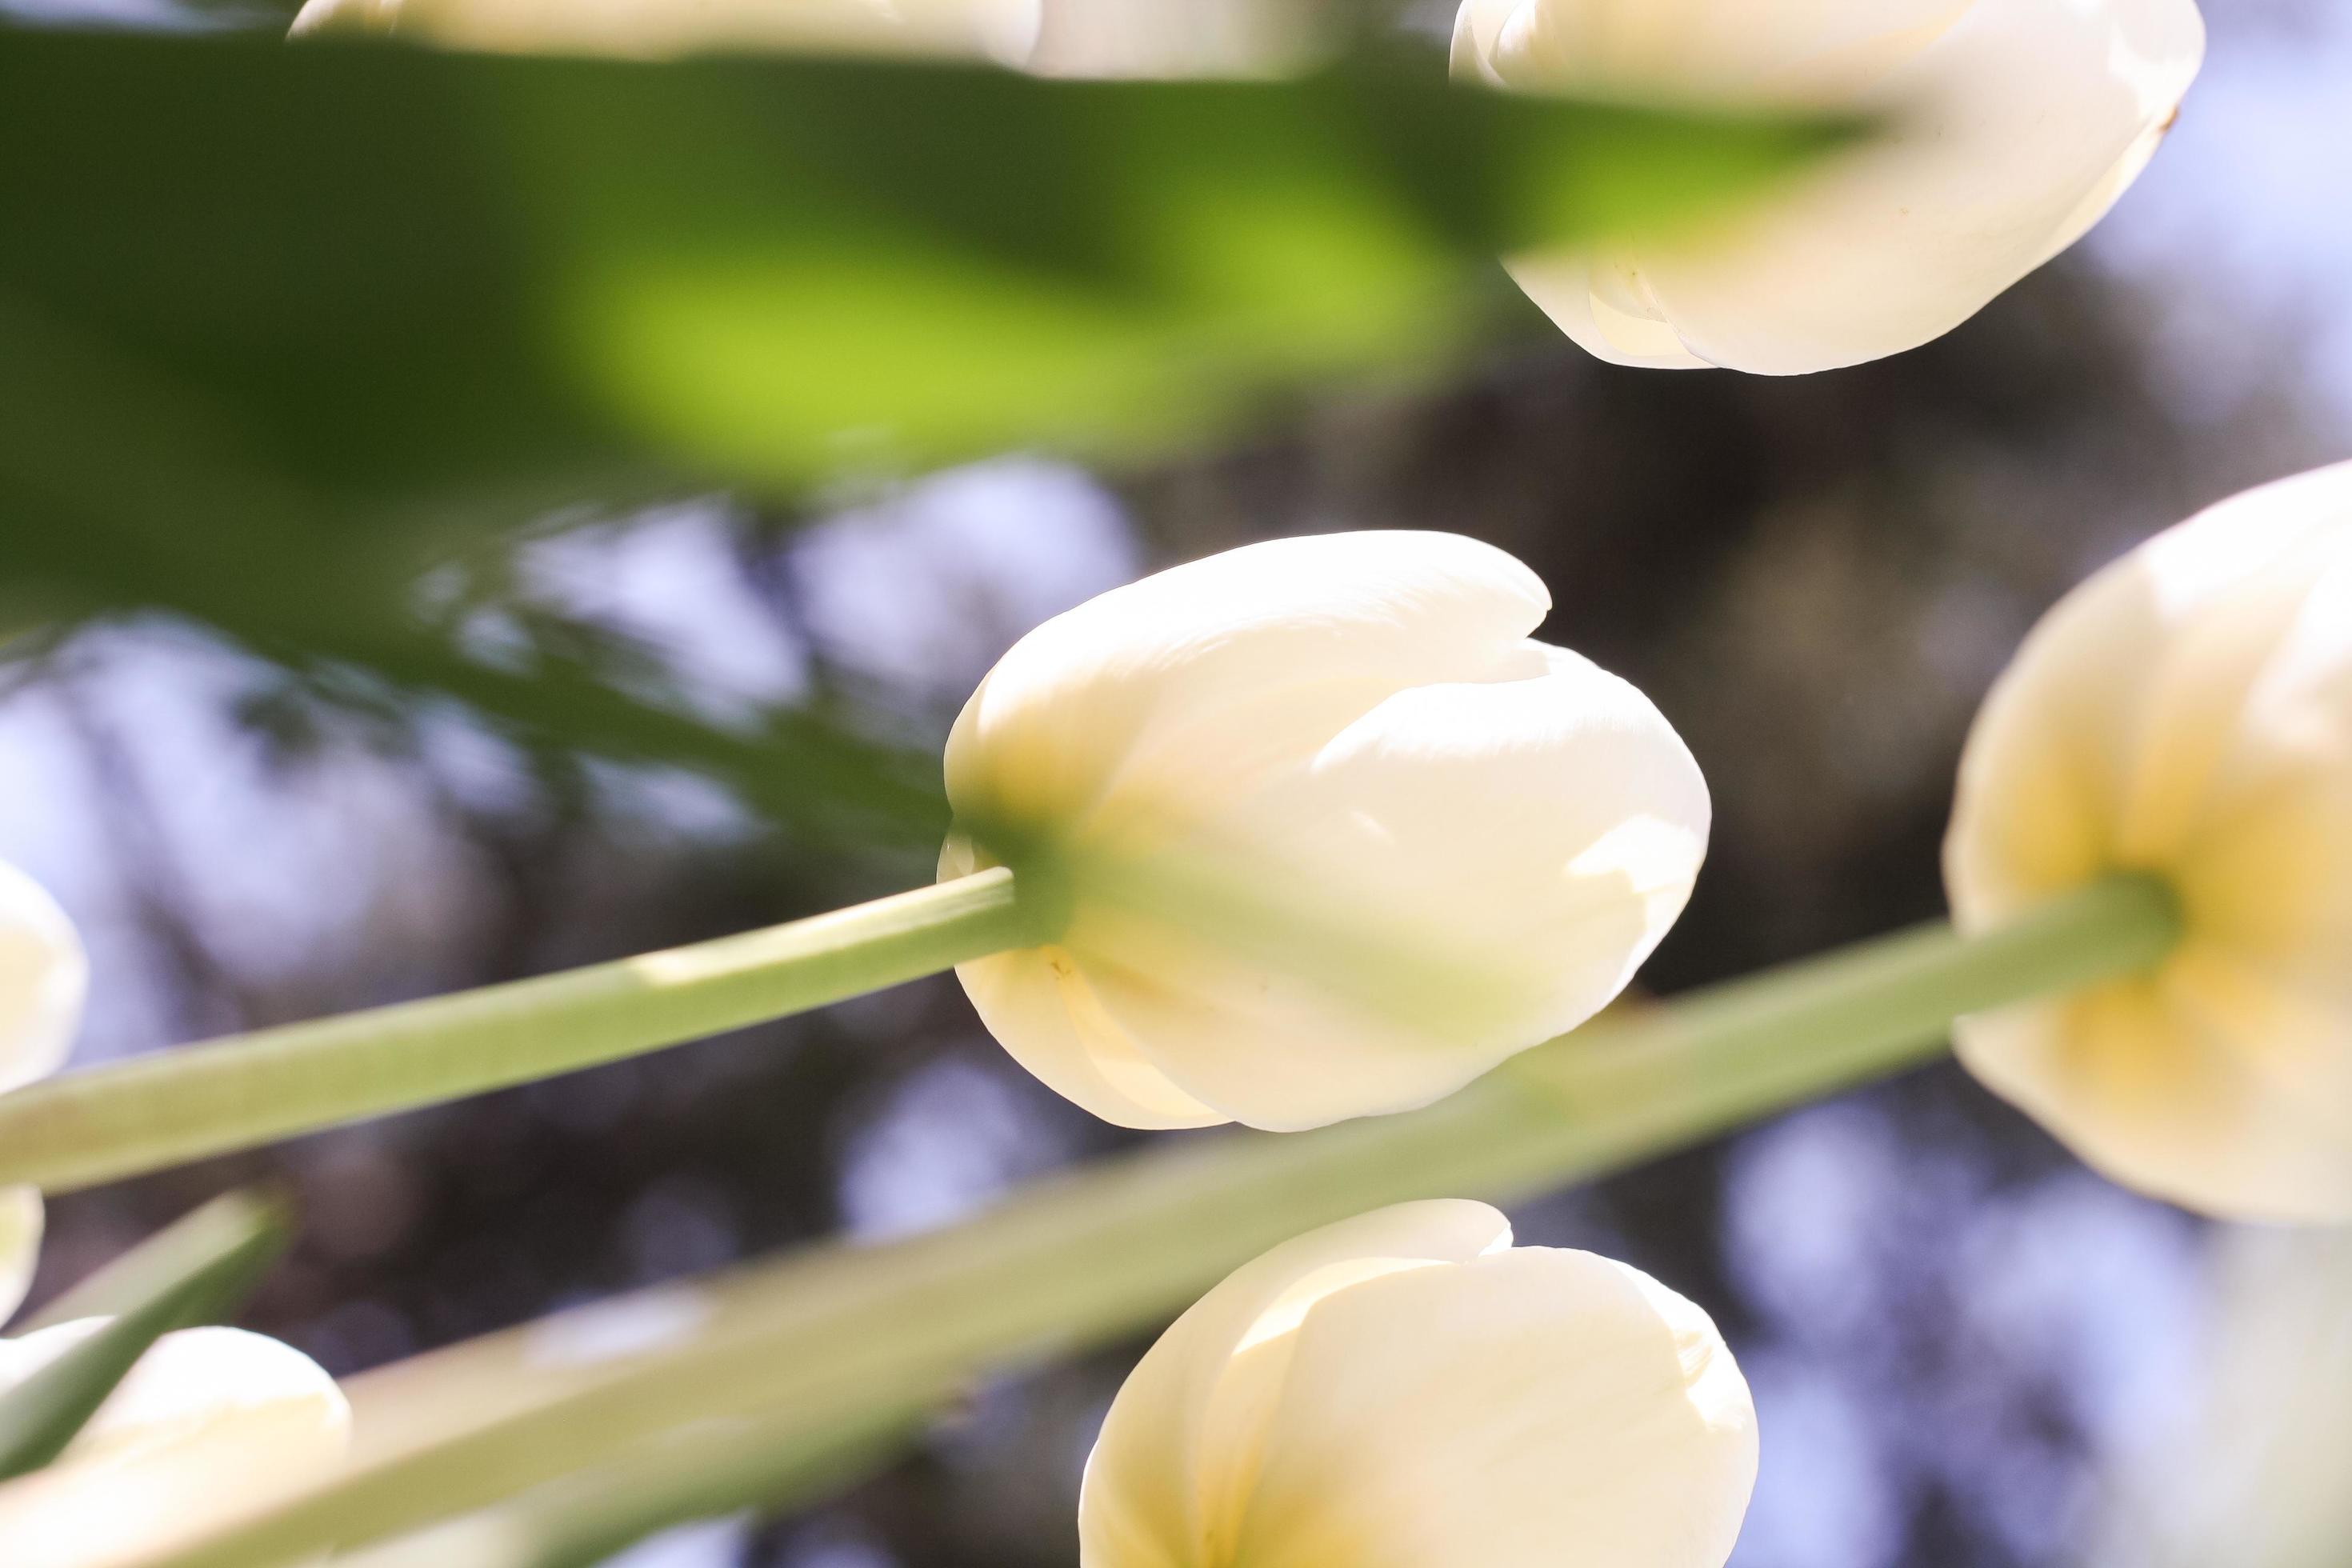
83, 1128
769, 1466
842, 1331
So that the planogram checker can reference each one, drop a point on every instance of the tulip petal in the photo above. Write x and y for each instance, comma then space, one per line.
1526, 814
1103, 39
1569, 290
2162, 1102
21, 1219
1188, 683
1803, 52
2017, 124
2046, 759
2293, 1041
1035, 1001
1039, 1003
2032, 108
44, 976
2124, 701
211, 1423
1516, 1411
1169, 1471
1548, 828
2268, 887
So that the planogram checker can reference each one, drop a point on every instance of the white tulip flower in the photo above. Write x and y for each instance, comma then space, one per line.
211, 1423
2187, 712
1353, 729
1089, 38
44, 976
2014, 125
1406, 1390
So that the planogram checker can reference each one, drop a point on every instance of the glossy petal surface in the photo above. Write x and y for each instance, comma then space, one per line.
1342, 837
2013, 125
1405, 1390
211, 1423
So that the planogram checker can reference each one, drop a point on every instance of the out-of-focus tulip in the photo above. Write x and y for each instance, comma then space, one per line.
2250, 1470
1004, 30
43, 978
210, 1423
1405, 1389
2188, 712
22, 1220
1100, 39
1354, 733
1176, 38
2014, 125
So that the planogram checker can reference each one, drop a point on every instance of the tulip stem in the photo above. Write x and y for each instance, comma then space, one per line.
1724, 1055
108, 1122
838, 1333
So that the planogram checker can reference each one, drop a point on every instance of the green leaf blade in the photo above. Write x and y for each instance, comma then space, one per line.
406, 277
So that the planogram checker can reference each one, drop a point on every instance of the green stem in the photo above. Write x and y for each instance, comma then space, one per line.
84, 1128
840, 1332
767, 1467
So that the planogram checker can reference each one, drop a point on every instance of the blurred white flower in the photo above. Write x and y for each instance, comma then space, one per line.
998, 29
211, 1423
1405, 1389
2014, 126
44, 976
2252, 1474
1096, 38
1349, 742
43, 979
2188, 712
22, 1221
1176, 38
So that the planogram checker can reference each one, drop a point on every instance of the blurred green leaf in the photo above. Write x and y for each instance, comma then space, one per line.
185, 1247
122, 489
389, 277
196, 1272
280, 326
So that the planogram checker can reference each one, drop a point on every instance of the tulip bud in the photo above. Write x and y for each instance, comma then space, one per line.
2187, 714
1349, 749
43, 978
1406, 1390
211, 1423
2013, 125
